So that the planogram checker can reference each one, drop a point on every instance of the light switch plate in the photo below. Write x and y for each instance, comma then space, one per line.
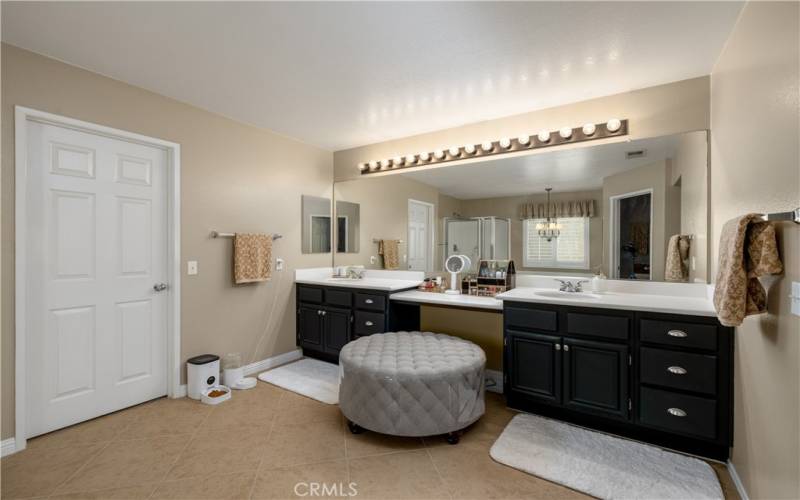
372, 259
279, 264
191, 267
795, 298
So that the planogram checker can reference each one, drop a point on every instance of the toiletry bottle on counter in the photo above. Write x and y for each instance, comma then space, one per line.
599, 282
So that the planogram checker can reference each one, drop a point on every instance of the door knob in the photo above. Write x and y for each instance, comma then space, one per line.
160, 287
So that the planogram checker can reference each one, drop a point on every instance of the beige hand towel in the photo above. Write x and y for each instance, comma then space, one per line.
747, 249
252, 257
390, 251
676, 268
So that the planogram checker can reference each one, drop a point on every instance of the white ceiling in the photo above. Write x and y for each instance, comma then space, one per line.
578, 169
340, 75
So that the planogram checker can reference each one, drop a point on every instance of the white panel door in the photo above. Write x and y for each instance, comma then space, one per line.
419, 239
97, 240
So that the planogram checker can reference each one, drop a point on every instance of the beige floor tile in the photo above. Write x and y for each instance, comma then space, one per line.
296, 408
373, 443
38, 472
216, 487
241, 414
321, 480
304, 443
470, 473
98, 430
221, 452
130, 493
398, 475
128, 463
167, 417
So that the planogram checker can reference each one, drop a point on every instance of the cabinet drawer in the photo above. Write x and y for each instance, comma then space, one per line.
690, 415
309, 294
675, 333
370, 301
537, 319
368, 323
679, 370
598, 325
339, 298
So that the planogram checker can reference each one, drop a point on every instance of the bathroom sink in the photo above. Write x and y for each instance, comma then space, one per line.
344, 279
555, 294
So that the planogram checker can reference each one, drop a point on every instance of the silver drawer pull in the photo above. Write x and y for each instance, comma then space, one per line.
677, 333
368, 301
369, 323
676, 412
558, 347
677, 370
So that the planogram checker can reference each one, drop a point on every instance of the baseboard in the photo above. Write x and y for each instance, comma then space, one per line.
737, 481
266, 364
8, 446
497, 378
182, 391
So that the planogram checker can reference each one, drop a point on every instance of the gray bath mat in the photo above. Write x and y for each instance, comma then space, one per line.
601, 465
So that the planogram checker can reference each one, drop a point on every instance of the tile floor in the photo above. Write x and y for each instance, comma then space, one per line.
260, 444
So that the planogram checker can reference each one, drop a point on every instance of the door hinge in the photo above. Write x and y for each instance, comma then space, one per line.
505, 341
630, 404
352, 318
630, 360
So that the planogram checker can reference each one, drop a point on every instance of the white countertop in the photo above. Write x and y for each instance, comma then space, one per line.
672, 304
386, 285
443, 299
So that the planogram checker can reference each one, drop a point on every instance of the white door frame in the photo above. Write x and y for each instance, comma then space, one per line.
22, 116
613, 265
429, 249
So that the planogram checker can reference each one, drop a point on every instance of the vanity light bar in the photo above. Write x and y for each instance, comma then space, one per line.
544, 139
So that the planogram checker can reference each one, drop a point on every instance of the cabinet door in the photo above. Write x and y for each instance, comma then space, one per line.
337, 329
534, 365
596, 377
309, 327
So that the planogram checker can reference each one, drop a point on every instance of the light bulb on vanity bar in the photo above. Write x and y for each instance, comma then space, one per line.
544, 136
505, 143
524, 139
438, 154
487, 146
411, 159
589, 129
373, 165
469, 149
613, 125
454, 151
424, 156
565, 132
397, 161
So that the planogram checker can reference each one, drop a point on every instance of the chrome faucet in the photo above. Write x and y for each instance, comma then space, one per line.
354, 273
569, 286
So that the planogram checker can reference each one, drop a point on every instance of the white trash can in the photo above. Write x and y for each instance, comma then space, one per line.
202, 372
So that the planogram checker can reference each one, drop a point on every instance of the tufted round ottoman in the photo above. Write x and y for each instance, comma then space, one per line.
412, 384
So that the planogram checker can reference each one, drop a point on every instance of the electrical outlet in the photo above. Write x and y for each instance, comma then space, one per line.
191, 267
795, 298
279, 264
372, 259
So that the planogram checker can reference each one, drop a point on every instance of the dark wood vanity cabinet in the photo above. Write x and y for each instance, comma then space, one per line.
330, 317
664, 379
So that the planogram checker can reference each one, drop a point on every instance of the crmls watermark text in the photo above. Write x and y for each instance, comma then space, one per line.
304, 489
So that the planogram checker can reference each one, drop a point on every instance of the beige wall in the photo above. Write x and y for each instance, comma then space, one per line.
234, 178
509, 207
689, 166
666, 109
652, 176
755, 167
383, 204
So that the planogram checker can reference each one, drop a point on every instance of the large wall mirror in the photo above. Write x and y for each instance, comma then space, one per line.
620, 208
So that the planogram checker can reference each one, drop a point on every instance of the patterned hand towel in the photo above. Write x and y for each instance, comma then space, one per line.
390, 251
747, 250
676, 268
252, 258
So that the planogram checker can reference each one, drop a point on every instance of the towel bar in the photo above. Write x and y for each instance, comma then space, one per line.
376, 240
217, 234
793, 216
